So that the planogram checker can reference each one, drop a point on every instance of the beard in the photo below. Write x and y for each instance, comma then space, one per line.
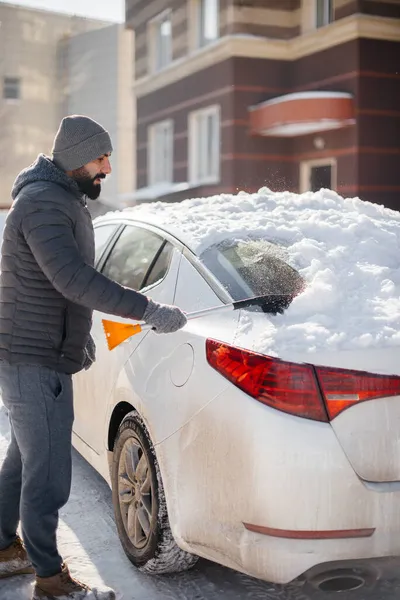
87, 184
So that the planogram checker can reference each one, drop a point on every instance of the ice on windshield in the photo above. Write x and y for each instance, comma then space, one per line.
253, 267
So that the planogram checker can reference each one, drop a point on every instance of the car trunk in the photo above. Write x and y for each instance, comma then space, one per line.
368, 431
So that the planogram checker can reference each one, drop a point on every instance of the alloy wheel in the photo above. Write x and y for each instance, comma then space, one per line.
135, 492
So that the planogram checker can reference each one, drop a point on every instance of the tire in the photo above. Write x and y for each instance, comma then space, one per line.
139, 503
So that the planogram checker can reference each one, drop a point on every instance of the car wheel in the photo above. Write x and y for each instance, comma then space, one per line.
139, 503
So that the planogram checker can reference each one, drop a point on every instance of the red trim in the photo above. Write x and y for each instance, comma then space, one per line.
333, 534
379, 75
296, 158
374, 112
369, 188
310, 155
263, 157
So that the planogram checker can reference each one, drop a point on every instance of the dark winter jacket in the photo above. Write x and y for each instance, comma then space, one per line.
48, 286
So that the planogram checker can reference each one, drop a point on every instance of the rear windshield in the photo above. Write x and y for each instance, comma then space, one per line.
250, 268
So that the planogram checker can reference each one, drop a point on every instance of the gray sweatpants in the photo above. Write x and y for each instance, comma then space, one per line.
35, 477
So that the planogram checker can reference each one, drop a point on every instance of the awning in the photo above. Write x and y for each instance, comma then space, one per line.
302, 113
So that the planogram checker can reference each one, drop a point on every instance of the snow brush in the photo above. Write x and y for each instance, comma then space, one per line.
116, 332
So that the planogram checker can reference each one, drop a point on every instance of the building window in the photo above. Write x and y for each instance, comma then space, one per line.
207, 21
160, 32
160, 155
12, 88
204, 148
323, 12
318, 174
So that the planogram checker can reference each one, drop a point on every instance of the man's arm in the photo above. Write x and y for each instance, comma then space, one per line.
49, 234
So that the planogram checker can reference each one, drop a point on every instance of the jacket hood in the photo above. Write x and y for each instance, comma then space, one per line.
43, 169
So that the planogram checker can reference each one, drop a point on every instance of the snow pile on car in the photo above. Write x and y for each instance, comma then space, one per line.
347, 250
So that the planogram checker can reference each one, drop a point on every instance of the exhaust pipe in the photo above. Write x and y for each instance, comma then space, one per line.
343, 579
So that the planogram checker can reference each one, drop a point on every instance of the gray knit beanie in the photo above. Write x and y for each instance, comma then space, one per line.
78, 141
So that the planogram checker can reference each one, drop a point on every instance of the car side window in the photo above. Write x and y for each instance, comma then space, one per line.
132, 255
102, 234
160, 268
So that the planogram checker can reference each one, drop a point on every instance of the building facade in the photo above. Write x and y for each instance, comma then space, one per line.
54, 64
289, 94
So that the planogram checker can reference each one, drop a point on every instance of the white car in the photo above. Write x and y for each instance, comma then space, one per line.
272, 465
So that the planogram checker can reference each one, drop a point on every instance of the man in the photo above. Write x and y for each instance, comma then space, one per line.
48, 290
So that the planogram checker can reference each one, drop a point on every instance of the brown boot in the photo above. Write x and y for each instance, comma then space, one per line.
14, 560
64, 587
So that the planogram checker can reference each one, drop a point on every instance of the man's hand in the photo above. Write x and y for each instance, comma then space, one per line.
163, 317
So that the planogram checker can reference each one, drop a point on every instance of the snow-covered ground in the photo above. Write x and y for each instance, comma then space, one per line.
89, 542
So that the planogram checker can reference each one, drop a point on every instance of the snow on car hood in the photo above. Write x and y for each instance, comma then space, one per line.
347, 250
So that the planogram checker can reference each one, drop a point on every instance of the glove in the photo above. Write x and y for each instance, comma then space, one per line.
90, 354
164, 318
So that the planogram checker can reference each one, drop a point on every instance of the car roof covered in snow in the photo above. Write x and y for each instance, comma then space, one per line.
284, 217
347, 251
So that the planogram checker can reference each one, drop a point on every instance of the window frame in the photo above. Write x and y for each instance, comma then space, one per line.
328, 13
153, 31
151, 286
194, 161
152, 158
201, 40
305, 172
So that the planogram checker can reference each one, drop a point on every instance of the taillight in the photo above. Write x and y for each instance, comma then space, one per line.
342, 388
286, 386
319, 393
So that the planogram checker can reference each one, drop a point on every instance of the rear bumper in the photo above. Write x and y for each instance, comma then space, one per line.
284, 561
238, 461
